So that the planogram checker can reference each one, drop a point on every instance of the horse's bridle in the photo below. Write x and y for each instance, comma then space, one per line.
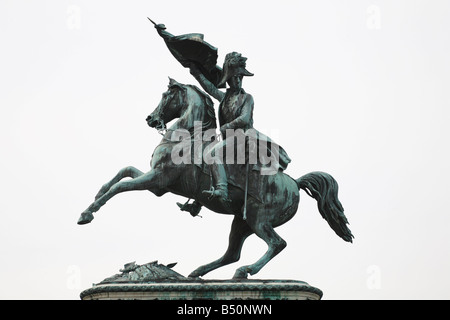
162, 130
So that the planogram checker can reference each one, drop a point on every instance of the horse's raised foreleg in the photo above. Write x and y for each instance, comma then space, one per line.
265, 231
239, 232
152, 181
131, 172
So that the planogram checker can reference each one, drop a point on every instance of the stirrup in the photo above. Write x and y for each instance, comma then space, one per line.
211, 192
219, 193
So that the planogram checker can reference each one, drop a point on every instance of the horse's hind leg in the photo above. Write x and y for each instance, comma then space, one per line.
276, 244
239, 232
131, 172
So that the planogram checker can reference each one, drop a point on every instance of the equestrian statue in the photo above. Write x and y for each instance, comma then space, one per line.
235, 170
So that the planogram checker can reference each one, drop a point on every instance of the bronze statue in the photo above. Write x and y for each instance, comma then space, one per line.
259, 202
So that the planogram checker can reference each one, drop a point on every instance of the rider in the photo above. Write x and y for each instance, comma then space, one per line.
235, 112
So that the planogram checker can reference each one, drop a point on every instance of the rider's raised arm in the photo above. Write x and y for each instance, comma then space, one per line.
206, 84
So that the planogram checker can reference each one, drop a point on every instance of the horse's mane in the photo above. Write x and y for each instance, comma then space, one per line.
210, 112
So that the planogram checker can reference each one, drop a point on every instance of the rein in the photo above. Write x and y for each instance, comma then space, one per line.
217, 136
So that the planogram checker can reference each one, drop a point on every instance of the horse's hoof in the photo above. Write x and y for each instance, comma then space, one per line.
240, 274
85, 218
196, 274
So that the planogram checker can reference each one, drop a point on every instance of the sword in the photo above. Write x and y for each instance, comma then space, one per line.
157, 25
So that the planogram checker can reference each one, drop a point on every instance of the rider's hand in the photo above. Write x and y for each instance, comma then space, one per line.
194, 69
160, 26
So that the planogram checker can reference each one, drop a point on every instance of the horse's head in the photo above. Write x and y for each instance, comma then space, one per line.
186, 102
169, 107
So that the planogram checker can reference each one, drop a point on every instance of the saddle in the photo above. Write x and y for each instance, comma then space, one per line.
236, 175
262, 162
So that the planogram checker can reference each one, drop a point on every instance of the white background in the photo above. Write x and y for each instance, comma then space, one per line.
359, 89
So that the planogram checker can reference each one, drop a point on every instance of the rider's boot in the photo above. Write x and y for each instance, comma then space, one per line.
193, 208
221, 190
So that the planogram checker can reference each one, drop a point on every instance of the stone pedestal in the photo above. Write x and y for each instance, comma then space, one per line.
158, 282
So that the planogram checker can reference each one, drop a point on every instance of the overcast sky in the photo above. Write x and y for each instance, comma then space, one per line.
358, 89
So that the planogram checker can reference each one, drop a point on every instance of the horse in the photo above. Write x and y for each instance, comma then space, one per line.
278, 193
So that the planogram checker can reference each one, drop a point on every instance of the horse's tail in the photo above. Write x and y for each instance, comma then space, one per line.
324, 188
